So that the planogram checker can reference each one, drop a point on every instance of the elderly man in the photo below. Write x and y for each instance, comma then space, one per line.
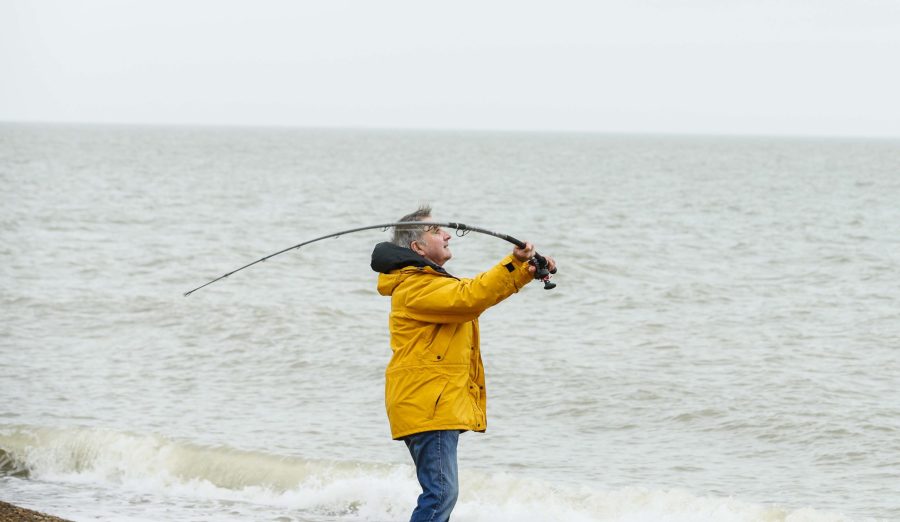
434, 383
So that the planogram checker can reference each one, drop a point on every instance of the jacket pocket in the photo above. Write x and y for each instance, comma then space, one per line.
436, 350
437, 400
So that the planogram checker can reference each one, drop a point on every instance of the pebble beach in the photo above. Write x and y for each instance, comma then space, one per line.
11, 513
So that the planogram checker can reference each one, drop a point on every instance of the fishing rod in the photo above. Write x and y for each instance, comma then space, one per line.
542, 271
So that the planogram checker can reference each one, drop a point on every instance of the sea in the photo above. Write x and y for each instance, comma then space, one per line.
723, 343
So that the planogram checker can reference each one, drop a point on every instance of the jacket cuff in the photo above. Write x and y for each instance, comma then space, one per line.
518, 270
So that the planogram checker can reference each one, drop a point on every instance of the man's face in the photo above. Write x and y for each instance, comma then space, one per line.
434, 245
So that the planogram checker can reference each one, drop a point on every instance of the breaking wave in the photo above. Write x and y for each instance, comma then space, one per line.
339, 490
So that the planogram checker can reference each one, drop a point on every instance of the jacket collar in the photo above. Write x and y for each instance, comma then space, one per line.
387, 257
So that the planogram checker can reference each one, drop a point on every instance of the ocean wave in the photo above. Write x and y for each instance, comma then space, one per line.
340, 490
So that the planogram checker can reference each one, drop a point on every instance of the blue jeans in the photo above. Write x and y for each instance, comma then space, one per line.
434, 453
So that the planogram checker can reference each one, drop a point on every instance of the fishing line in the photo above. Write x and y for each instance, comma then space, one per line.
542, 271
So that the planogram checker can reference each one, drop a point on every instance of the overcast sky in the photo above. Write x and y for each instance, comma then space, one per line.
808, 67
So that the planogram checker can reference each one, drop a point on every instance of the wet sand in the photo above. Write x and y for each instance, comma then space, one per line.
11, 513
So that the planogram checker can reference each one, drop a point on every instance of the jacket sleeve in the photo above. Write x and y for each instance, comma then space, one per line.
447, 300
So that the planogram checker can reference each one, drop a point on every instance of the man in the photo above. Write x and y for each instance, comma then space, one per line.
434, 383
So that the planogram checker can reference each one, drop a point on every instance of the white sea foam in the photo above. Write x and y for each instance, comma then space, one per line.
184, 473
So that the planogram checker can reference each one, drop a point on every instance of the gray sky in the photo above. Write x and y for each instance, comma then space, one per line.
817, 67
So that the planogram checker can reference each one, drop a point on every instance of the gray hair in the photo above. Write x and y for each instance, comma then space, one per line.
403, 236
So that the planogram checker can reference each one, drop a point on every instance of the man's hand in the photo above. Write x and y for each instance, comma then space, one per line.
524, 254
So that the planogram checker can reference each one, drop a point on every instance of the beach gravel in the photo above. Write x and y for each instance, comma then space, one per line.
11, 513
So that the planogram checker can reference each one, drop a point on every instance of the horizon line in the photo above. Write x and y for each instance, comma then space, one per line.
472, 130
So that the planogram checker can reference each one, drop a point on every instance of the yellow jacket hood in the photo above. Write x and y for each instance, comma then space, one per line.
388, 257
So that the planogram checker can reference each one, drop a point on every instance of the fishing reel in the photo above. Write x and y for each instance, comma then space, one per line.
542, 270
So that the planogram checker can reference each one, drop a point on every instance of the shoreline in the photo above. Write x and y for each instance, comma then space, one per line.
12, 513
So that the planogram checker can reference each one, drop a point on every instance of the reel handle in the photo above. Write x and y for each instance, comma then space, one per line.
541, 271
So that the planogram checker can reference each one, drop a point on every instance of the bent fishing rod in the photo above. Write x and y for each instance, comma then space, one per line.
542, 271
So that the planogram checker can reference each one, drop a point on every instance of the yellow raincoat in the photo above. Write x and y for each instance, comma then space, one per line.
435, 379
